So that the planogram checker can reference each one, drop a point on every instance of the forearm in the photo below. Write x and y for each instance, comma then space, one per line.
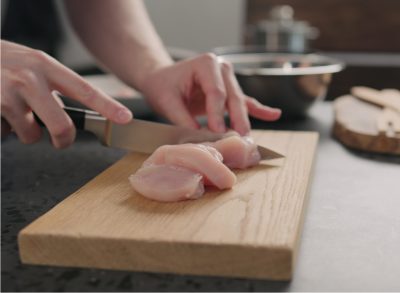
120, 35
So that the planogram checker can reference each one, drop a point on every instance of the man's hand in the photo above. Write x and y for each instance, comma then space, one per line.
203, 85
28, 81
179, 91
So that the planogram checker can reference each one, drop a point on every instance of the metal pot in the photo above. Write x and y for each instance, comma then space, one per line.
291, 82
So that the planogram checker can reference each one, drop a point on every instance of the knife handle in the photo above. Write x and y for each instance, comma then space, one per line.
77, 116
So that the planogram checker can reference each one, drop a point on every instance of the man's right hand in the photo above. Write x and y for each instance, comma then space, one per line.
29, 79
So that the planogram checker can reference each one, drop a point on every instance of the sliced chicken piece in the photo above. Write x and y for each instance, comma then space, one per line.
238, 152
167, 183
199, 158
179, 172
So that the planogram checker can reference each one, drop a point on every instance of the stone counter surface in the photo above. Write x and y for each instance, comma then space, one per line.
350, 241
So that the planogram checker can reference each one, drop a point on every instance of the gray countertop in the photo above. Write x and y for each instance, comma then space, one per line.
350, 241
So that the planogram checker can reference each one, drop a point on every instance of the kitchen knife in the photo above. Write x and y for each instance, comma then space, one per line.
144, 136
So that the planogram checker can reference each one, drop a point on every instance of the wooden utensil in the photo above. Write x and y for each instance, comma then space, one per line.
252, 230
364, 126
389, 120
389, 98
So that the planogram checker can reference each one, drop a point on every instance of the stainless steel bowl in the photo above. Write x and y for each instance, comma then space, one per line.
292, 82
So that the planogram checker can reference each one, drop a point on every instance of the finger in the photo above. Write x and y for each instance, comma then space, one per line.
176, 111
260, 111
72, 85
56, 96
236, 101
211, 82
19, 118
5, 127
58, 123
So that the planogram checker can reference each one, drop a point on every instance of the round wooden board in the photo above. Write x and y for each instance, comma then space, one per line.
355, 126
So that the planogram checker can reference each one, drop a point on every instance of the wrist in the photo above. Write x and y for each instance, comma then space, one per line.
148, 68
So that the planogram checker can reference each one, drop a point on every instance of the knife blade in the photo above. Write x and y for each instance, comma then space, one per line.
145, 136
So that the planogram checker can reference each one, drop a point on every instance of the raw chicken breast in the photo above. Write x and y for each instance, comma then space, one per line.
238, 152
179, 172
167, 183
199, 158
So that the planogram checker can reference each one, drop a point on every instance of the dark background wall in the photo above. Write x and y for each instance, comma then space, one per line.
32, 23
356, 26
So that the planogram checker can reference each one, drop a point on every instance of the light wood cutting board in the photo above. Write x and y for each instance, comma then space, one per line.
252, 230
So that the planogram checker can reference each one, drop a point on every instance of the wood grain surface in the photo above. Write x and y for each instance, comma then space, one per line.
357, 126
252, 230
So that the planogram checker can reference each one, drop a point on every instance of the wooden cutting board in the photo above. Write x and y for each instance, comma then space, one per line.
252, 230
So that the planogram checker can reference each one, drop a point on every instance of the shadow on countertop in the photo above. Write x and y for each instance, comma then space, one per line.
32, 278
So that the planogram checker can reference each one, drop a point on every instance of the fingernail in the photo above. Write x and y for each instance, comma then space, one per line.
124, 115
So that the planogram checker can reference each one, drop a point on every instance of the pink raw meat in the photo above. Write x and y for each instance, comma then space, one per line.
167, 183
238, 152
203, 159
179, 172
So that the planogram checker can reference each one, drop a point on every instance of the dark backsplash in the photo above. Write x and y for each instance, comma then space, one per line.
356, 26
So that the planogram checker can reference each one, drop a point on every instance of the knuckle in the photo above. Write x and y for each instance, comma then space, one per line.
254, 101
39, 56
218, 92
40, 62
28, 76
226, 66
209, 57
13, 83
16, 78
63, 130
88, 92
237, 98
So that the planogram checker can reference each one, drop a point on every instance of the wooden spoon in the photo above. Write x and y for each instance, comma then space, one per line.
389, 98
388, 122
